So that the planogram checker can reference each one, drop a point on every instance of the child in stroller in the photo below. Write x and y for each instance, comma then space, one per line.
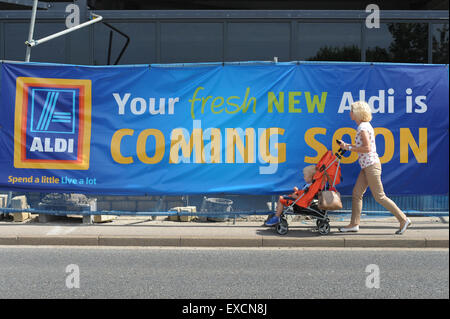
284, 201
305, 202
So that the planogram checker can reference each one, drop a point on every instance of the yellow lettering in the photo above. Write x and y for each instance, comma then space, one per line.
204, 100
338, 135
216, 155
194, 98
238, 108
388, 143
293, 101
214, 105
264, 146
313, 143
407, 140
115, 146
245, 105
159, 146
234, 140
272, 99
178, 141
315, 102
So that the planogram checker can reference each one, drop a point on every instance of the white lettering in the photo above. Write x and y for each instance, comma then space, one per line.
47, 145
60, 145
379, 99
385, 103
199, 309
419, 101
73, 280
142, 104
346, 101
138, 105
373, 279
70, 150
73, 19
373, 19
36, 145
161, 110
172, 102
121, 102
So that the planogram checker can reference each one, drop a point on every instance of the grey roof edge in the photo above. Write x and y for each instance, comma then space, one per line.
239, 14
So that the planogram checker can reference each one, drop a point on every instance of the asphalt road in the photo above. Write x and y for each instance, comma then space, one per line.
47, 272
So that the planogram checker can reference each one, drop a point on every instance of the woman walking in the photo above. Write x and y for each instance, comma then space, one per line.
370, 175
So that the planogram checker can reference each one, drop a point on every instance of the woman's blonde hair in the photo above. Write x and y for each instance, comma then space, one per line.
309, 170
362, 112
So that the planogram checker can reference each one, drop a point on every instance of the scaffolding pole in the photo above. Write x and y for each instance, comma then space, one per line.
31, 31
32, 43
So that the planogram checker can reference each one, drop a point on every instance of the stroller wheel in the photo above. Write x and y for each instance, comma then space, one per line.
282, 228
318, 223
324, 227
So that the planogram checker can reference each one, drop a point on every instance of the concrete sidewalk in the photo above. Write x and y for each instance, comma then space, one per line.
143, 231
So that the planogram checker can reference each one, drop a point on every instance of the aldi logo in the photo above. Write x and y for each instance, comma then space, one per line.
50, 118
52, 128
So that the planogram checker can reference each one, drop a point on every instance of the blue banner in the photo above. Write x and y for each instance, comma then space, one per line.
238, 128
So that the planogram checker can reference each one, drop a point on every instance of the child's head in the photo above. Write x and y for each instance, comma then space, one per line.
308, 173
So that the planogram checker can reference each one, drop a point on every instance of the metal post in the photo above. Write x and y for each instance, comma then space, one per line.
8, 201
30, 33
430, 43
363, 42
89, 219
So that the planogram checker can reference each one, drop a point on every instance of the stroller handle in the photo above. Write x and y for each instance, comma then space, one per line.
340, 151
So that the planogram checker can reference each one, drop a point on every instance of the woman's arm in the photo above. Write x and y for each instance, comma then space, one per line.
364, 148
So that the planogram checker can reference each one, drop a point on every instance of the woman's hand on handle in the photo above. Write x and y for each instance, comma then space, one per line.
342, 144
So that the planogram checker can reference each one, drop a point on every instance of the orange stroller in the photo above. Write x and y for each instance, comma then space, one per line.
327, 176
